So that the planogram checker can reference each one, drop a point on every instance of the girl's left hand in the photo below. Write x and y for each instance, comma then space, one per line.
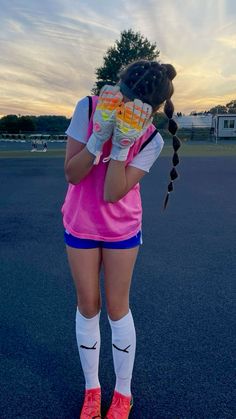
132, 119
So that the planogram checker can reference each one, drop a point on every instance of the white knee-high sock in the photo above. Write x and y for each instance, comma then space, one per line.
88, 341
123, 350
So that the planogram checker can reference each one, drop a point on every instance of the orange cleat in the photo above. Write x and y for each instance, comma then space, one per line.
120, 406
92, 404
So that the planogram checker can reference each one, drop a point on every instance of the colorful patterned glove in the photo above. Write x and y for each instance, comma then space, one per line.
104, 119
132, 119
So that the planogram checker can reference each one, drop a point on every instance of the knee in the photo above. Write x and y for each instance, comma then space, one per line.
89, 309
88, 312
116, 313
117, 307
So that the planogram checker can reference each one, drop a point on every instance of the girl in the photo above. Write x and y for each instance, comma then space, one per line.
111, 145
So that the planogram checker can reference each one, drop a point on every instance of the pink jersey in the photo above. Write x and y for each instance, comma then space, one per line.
85, 213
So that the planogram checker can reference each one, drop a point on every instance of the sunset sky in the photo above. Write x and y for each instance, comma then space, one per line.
50, 49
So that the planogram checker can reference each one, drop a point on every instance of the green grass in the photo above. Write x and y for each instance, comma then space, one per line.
202, 150
28, 154
188, 149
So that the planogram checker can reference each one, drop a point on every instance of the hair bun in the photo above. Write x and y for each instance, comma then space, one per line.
170, 71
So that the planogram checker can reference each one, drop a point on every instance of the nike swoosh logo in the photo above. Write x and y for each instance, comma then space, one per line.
122, 350
88, 347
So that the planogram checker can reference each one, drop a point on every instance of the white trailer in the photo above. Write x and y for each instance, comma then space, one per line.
194, 121
224, 125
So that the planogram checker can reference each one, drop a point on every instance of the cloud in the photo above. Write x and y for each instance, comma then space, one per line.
229, 42
47, 57
50, 50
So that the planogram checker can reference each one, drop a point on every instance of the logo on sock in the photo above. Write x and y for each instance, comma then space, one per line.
123, 350
87, 347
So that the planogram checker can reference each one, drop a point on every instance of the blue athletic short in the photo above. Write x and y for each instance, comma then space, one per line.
73, 241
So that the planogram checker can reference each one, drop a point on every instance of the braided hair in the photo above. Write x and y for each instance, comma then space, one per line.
151, 82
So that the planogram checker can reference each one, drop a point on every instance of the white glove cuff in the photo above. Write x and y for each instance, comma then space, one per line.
118, 153
94, 146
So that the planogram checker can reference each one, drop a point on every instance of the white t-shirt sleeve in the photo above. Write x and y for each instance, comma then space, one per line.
78, 127
145, 158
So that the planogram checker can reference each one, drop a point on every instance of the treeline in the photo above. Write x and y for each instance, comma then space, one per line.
13, 124
228, 108
53, 124
50, 124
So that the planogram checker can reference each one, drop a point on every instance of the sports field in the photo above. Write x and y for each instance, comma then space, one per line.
182, 295
188, 148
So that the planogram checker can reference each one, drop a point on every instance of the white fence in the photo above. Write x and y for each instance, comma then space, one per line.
194, 121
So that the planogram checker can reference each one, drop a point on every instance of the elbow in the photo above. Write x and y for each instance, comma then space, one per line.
72, 181
67, 176
111, 195
111, 198
70, 178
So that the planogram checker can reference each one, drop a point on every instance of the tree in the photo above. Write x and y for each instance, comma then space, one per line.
9, 123
51, 123
131, 46
218, 109
26, 123
160, 120
231, 106
13, 124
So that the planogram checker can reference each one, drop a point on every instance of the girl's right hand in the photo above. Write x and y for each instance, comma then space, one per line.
104, 118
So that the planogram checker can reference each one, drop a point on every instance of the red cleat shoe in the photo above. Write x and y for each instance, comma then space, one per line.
92, 404
120, 406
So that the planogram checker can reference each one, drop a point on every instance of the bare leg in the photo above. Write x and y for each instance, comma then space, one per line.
118, 269
85, 268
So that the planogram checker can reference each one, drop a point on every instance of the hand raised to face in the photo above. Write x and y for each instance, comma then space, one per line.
132, 118
109, 99
104, 119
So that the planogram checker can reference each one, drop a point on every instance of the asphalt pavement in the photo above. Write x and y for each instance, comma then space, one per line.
182, 296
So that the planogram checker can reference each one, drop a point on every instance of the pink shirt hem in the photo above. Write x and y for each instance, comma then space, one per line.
101, 238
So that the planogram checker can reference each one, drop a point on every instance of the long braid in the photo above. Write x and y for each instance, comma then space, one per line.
172, 127
151, 82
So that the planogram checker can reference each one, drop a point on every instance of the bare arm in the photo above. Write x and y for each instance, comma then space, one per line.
78, 161
120, 179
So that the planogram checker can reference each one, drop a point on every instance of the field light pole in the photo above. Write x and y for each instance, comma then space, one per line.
217, 122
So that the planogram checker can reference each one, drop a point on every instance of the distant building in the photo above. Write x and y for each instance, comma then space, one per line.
194, 121
224, 125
